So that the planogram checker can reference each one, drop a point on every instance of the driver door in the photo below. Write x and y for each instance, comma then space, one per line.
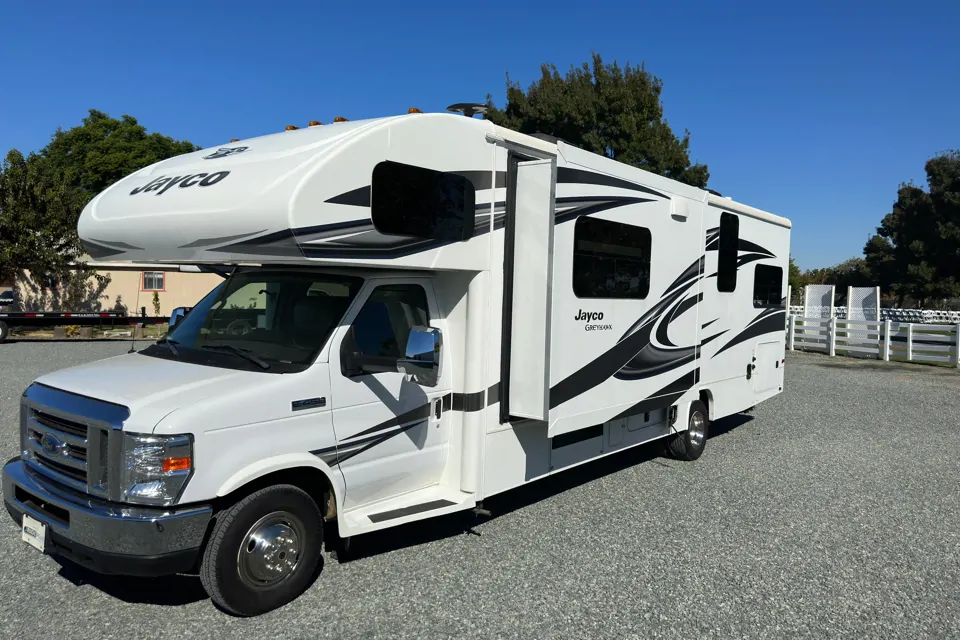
391, 432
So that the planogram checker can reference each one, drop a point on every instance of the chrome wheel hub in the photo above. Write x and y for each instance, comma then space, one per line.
271, 549
697, 428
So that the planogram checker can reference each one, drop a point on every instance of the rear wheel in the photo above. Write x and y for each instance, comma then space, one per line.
264, 551
4, 331
689, 444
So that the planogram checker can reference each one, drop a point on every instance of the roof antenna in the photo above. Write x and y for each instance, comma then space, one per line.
468, 109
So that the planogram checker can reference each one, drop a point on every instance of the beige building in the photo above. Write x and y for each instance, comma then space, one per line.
127, 287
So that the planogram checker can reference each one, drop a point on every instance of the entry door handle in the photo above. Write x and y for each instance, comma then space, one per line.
437, 408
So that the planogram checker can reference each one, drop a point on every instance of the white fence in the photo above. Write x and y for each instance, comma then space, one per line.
931, 343
917, 316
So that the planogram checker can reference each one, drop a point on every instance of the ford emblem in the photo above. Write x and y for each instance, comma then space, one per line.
52, 445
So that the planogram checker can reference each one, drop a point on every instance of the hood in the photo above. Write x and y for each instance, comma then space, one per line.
151, 388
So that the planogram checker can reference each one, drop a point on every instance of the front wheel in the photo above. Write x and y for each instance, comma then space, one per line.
688, 445
264, 551
4, 331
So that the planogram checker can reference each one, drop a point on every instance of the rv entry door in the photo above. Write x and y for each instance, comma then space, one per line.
528, 264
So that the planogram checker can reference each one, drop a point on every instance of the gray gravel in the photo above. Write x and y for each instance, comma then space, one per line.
833, 511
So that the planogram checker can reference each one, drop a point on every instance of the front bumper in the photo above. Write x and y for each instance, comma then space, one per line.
105, 536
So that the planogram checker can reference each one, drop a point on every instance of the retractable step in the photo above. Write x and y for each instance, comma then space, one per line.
416, 505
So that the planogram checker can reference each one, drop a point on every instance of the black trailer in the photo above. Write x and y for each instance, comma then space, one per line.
10, 320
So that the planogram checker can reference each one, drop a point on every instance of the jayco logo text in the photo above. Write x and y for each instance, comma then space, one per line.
589, 317
163, 184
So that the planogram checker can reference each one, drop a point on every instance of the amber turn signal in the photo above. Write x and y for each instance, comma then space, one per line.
176, 464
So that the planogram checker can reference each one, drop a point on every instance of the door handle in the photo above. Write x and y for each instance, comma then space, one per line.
749, 371
437, 409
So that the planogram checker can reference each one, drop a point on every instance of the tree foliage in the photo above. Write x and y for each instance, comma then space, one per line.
604, 108
42, 195
916, 250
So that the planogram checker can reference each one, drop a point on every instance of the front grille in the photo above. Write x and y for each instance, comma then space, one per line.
72, 439
77, 429
62, 446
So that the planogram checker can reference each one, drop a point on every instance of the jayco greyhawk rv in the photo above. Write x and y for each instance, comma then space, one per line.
423, 311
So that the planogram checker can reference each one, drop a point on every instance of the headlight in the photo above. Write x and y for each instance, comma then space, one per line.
155, 468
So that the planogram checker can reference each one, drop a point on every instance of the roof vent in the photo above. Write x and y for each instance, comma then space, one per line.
468, 109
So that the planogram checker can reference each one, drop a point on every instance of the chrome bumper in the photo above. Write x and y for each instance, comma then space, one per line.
105, 536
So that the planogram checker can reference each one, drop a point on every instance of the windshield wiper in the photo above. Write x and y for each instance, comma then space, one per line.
243, 353
170, 344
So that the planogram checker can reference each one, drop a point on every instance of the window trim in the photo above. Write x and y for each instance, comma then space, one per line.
779, 303
143, 281
573, 261
720, 251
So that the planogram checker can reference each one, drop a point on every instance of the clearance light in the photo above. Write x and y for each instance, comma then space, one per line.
315, 123
235, 140
292, 127
340, 119
414, 110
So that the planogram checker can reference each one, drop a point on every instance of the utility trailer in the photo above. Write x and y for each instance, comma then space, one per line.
13, 320
424, 311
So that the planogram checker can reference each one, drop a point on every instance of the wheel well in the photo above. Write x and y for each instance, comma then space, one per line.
310, 479
707, 399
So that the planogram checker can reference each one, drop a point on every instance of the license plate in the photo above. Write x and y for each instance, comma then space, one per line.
33, 532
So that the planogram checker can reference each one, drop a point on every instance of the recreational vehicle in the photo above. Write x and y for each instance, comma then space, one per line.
417, 313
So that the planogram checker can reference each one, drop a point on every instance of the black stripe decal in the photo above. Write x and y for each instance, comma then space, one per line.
568, 175
707, 324
493, 394
356, 198
468, 401
406, 511
423, 411
605, 205
481, 179
665, 396
767, 322
573, 437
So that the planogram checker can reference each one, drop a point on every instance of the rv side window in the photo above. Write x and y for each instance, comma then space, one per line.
727, 252
383, 325
421, 203
610, 259
767, 286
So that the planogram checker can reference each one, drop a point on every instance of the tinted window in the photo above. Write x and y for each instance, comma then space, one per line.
383, 324
727, 253
282, 317
422, 203
610, 259
767, 286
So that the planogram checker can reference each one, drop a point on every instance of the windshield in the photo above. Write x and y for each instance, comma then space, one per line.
274, 321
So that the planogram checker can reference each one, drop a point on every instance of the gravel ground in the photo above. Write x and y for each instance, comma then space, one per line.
833, 511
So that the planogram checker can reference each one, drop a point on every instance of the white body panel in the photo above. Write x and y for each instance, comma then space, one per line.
585, 376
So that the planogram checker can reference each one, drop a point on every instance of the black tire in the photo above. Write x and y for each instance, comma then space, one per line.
231, 561
4, 331
689, 444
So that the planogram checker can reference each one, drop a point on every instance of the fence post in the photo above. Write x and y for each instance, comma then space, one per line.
792, 323
956, 343
909, 341
833, 336
886, 340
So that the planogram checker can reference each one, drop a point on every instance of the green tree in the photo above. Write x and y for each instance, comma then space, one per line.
604, 108
156, 303
41, 196
796, 280
916, 251
37, 225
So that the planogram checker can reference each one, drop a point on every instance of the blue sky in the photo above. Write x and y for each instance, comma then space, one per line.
809, 110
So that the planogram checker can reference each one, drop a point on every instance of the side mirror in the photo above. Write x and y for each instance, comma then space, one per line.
176, 316
423, 357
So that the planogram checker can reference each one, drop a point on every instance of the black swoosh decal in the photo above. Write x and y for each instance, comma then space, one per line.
359, 197
566, 175
770, 321
664, 397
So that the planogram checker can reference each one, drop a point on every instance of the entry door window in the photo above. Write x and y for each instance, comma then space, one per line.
383, 325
